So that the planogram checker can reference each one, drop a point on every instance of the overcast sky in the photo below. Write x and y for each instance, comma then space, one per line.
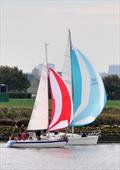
25, 26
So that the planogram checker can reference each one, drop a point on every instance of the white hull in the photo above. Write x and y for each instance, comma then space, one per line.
36, 144
75, 139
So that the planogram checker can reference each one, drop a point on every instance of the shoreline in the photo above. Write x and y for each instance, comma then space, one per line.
109, 139
103, 139
108, 123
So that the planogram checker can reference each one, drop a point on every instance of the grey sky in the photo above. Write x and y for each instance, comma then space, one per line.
26, 25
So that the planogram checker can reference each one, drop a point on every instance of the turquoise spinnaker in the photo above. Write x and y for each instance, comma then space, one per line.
85, 85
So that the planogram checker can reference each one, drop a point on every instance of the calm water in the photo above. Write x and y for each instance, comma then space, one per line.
99, 157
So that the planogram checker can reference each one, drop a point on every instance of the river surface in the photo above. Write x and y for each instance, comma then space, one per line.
96, 157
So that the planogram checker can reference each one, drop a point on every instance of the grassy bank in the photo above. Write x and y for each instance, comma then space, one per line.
113, 104
21, 103
18, 110
29, 103
106, 131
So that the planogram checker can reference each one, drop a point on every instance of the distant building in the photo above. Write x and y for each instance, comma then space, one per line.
104, 74
30, 76
37, 70
51, 65
34, 77
114, 70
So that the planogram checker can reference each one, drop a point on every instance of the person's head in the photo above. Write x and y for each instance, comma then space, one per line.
16, 125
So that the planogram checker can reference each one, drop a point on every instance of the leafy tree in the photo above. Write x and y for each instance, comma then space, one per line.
14, 78
112, 86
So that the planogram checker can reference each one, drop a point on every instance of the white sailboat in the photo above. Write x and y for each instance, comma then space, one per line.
62, 110
87, 90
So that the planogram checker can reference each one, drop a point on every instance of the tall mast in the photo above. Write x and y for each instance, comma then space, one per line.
46, 64
70, 47
70, 42
46, 57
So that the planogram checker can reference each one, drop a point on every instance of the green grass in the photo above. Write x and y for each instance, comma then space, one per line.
113, 104
19, 110
18, 103
29, 103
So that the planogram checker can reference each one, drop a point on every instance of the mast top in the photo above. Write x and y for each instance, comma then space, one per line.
69, 38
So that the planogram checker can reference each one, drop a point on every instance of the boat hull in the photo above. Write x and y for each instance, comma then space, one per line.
37, 144
75, 139
78, 140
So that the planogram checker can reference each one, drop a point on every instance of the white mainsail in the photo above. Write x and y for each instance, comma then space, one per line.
67, 70
39, 117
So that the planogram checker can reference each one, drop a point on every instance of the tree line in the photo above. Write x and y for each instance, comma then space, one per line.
112, 86
17, 81
14, 78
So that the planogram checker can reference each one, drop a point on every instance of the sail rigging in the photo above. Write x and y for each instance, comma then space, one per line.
88, 92
62, 109
62, 112
67, 68
91, 97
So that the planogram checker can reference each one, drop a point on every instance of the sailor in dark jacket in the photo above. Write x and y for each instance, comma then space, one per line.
38, 134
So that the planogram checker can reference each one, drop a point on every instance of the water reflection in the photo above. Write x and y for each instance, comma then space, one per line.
99, 157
